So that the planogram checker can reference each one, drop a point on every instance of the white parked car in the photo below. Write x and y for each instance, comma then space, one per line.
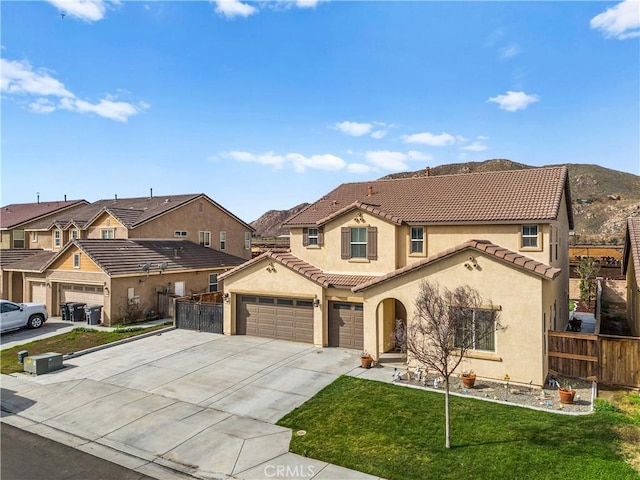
19, 315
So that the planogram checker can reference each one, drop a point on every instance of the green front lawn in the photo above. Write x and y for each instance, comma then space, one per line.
76, 340
398, 433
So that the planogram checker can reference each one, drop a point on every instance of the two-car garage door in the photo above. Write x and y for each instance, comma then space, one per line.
89, 294
275, 317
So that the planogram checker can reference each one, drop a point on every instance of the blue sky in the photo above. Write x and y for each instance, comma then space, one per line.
264, 105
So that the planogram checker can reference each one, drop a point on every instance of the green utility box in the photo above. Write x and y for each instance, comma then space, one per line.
44, 363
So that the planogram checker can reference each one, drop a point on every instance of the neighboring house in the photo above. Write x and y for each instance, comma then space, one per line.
121, 274
631, 269
16, 218
359, 254
194, 217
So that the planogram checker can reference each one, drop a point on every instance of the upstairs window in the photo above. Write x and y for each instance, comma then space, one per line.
247, 240
529, 236
205, 239
18, 239
223, 240
359, 243
312, 237
57, 238
75, 234
76, 260
417, 240
180, 233
107, 234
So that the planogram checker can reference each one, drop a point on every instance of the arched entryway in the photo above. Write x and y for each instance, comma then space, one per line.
392, 317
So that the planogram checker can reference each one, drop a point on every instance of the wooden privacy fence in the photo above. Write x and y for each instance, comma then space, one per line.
609, 359
165, 305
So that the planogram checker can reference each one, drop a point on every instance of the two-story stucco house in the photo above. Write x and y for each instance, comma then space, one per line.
631, 269
117, 251
359, 254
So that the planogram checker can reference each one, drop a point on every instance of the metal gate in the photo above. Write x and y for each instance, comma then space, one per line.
205, 317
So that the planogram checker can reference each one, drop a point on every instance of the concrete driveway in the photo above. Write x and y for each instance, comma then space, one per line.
53, 326
197, 403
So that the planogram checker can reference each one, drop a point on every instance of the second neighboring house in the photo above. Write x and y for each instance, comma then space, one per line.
360, 253
16, 218
631, 269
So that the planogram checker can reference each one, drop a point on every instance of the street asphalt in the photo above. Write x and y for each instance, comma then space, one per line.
184, 404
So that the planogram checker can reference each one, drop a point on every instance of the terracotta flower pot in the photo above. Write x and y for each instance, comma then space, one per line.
566, 396
468, 380
366, 362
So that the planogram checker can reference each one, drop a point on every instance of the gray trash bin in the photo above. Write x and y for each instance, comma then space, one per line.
77, 311
93, 314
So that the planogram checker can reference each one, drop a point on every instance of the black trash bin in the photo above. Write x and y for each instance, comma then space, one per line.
65, 313
77, 311
93, 314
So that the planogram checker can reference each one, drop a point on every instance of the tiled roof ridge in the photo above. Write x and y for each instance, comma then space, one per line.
371, 208
154, 197
486, 246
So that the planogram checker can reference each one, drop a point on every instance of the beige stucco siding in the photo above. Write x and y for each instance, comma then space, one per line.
633, 299
65, 261
195, 217
328, 257
44, 240
281, 282
105, 222
519, 348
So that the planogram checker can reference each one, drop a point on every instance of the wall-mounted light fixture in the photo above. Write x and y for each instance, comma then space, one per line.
226, 297
48, 285
316, 302
106, 291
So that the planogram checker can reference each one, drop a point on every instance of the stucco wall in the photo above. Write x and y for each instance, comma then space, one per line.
282, 282
633, 300
519, 348
105, 222
194, 217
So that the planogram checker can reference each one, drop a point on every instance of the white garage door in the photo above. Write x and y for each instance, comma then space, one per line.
89, 294
38, 292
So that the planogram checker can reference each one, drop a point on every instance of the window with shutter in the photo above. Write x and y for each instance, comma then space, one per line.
305, 237
345, 245
372, 243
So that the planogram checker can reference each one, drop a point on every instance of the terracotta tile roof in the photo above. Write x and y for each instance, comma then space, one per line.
505, 255
31, 263
632, 248
488, 197
16, 214
305, 269
11, 256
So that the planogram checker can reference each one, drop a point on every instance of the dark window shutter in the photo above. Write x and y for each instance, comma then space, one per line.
305, 237
320, 237
345, 247
372, 243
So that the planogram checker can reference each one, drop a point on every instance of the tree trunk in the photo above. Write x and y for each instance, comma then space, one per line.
447, 418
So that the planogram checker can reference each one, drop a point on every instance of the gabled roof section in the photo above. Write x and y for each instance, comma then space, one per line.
131, 212
507, 256
527, 195
11, 256
303, 268
32, 263
17, 214
357, 205
632, 248
125, 256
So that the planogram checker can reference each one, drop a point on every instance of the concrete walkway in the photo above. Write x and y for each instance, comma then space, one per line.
184, 403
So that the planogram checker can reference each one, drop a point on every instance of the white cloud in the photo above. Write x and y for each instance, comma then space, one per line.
360, 168
475, 147
514, 101
318, 162
307, 3
107, 108
416, 155
298, 161
234, 8
378, 134
42, 105
482, 137
19, 78
392, 161
87, 10
510, 51
354, 129
621, 21
426, 138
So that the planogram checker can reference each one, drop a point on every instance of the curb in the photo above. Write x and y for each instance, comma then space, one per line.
119, 342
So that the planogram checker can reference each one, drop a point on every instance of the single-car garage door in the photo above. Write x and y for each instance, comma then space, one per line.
89, 294
275, 317
39, 292
346, 325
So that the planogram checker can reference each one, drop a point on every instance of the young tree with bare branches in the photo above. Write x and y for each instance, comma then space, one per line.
447, 325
